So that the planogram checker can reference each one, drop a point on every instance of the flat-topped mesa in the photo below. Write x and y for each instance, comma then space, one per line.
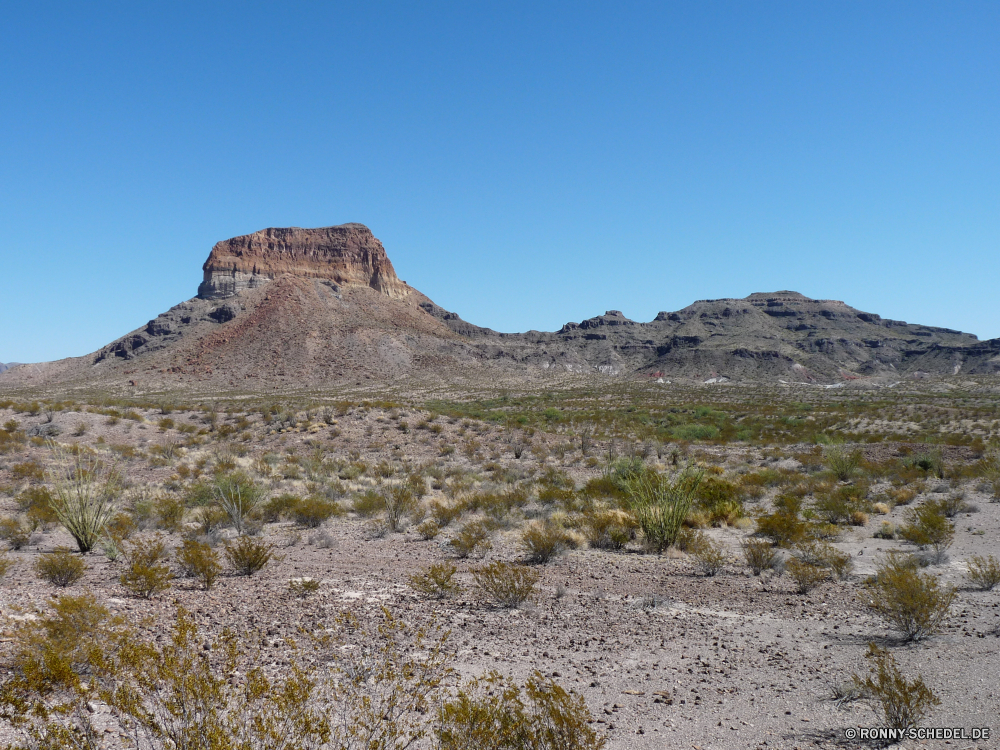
348, 255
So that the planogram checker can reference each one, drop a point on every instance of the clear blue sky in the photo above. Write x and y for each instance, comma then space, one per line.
525, 164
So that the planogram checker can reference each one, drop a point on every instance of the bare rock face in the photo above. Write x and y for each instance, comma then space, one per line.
345, 255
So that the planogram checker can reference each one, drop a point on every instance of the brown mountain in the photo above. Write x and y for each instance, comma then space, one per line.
290, 307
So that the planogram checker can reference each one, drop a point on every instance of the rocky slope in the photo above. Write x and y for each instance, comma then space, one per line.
302, 307
781, 335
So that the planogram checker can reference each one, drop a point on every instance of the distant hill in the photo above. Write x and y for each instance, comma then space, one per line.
4, 367
305, 307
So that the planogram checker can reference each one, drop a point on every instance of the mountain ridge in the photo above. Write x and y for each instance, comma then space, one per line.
320, 306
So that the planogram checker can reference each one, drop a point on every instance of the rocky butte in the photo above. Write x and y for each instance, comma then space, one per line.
290, 307
348, 254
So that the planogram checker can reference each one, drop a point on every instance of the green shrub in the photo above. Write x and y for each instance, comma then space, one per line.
505, 585
542, 540
417, 484
368, 504
983, 572
842, 463
826, 556
145, 574
603, 487
910, 602
609, 529
211, 518
60, 567
436, 581
399, 504
710, 557
950, 506
443, 514
428, 529
722, 501
886, 531
899, 703
927, 526
86, 496
15, 533
303, 588
492, 712
694, 432
313, 511
930, 462
247, 555
806, 575
660, 505
239, 496
6, 565
169, 513
473, 538
36, 504
759, 555
199, 560
278, 507
839, 505
783, 528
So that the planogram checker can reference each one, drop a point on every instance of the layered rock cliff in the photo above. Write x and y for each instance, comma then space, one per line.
346, 255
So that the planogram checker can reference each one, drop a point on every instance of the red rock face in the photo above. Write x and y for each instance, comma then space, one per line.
347, 255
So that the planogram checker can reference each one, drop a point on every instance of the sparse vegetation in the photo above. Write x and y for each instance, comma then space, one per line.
899, 703
146, 573
85, 499
199, 560
60, 567
660, 504
759, 555
983, 572
436, 581
766, 482
247, 555
912, 603
238, 495
505, 585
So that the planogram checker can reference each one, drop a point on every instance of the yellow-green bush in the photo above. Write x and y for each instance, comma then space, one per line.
60, 567
983, 572
900, 703
247, 555
912, 603
146, 573
609, 529
542, 540
505, 585
14, 532
472, 538
199, 560
493, 712
436, 581
312, 511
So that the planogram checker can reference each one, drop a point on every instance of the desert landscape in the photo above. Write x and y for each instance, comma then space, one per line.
313, 496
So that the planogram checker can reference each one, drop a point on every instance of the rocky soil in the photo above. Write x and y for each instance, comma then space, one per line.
664, 656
